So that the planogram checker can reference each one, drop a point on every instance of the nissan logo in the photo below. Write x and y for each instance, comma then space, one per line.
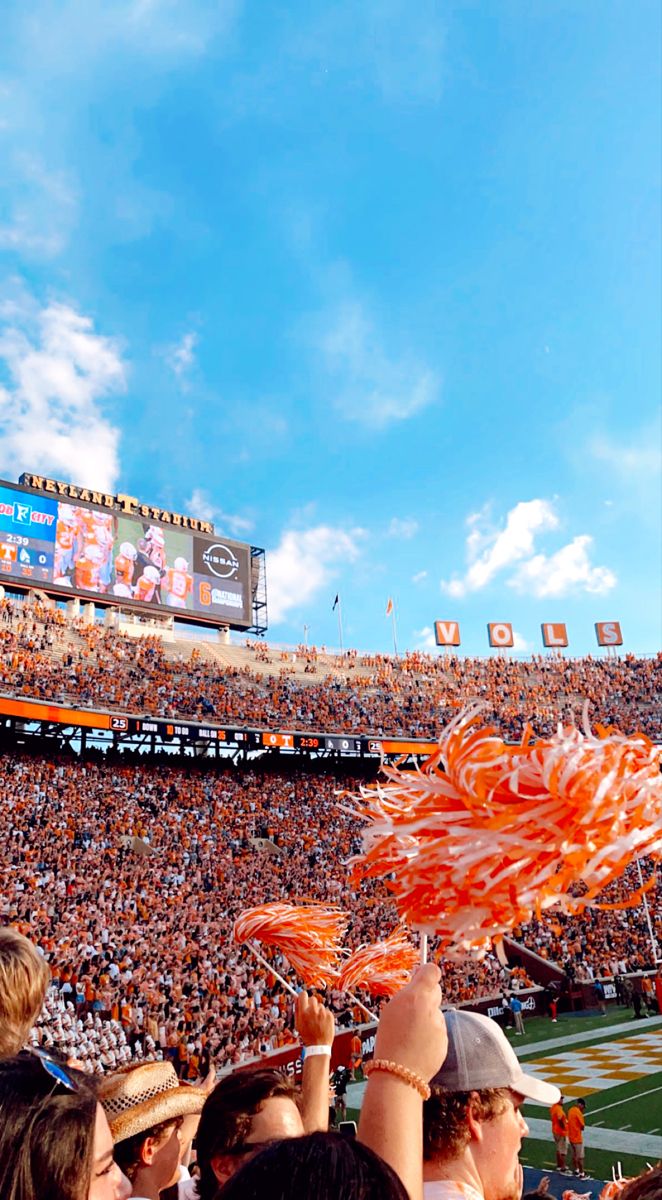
220, 560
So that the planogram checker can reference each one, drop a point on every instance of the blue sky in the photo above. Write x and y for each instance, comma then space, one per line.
374, 285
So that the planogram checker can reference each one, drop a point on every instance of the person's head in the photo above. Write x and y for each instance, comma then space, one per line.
146, 1106
473, 1115
24, 979
581, 1104
324, 1165
244, 1111
54, 1138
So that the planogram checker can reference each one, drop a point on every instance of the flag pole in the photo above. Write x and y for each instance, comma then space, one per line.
651, 935
395, 633
340, 624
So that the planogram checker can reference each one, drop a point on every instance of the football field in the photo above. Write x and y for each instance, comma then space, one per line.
615, 1063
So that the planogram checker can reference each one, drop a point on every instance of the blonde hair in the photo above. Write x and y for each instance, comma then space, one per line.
24, 979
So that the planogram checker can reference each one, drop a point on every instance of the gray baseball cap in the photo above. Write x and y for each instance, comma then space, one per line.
480, 1056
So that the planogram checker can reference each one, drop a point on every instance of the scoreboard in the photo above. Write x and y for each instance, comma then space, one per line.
103, 553
233, 737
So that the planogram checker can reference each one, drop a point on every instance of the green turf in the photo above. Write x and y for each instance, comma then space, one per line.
541, 1029
535, 1153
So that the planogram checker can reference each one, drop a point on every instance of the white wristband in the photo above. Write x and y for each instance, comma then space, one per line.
309, 1051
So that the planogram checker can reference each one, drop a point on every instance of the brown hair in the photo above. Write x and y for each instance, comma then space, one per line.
127, 1152
445, 1126
46, 1132
647, 1186
226, 1118
24, 979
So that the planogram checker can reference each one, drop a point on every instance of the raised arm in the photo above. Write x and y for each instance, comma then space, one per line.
316, 1028
411, 1045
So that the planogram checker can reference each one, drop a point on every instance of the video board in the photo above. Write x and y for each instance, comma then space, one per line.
86, 550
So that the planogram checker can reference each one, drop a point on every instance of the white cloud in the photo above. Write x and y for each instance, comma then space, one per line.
304, 564
492, 551
520, 643
180, 357
402, 527
51, 419
568, 570
200, 506
419, 576
489, 551
372, 386
425, 639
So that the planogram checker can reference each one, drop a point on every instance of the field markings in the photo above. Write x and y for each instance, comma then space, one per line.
625, 1100
618, 1141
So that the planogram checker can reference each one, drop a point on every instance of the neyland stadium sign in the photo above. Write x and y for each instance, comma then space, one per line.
129, 506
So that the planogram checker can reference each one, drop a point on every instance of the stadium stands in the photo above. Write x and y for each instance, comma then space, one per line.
128, 872
45, 656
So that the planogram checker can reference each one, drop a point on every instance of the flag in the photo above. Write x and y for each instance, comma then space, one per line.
336, 602
389, 607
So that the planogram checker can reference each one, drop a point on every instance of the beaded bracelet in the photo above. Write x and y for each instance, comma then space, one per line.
403, 1073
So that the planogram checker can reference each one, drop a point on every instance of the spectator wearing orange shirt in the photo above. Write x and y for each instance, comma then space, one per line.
560, 1132
576, 1125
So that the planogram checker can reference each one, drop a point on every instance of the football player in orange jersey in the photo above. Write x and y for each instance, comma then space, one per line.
147, 584
125, 565
177, 584
104, 538
65, 538
87, 570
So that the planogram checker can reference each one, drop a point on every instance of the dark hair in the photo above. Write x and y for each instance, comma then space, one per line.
445, 1126
225, 1121
127, 1153
46, 1132
325, 1165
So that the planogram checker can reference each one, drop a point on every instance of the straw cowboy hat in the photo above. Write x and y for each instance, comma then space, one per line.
136, 1098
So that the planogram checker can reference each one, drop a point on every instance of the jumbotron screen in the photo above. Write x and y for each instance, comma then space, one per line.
84, 550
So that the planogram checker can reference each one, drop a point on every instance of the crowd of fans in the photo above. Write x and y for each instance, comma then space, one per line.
129, 877
42, 654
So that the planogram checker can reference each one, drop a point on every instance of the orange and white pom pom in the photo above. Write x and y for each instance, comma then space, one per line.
308, 935
381, 969
485, 834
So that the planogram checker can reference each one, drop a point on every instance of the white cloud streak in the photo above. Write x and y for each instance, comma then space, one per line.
180, 357
51, 417
403, 528
43, 207
304, 564
642, 456
201, 506
372, 386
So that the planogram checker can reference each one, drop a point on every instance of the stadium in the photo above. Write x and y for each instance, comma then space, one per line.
158, 781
